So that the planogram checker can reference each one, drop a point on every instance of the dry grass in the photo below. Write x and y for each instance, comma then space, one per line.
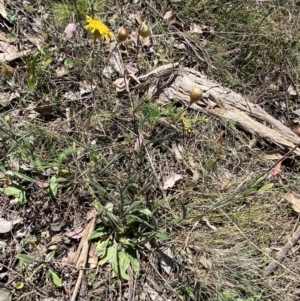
90, 152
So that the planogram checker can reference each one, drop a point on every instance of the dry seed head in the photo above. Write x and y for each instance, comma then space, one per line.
144, 30
195, 95
122, 35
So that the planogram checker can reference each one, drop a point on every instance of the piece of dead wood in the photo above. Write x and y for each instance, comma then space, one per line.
283, 253
83, 250
223, 103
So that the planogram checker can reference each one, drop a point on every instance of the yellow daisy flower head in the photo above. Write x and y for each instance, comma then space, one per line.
98, 29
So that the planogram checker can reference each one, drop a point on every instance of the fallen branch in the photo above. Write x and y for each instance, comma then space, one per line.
283, 253
223, 103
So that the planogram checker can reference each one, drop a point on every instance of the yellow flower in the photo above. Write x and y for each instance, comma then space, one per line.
187, 123
98, 29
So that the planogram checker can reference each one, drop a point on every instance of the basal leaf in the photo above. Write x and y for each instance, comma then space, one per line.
25, 258
109, 255
99, 232
55, 279
101, 248
49, 256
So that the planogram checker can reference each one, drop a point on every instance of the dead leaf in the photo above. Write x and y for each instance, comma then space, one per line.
93, 257
179, 46
294, 201
145, 41
138, 17
91, 214
177, 150
171, 181
46, 110
69, 31
168, 15
166, 260
205, 262
61, 71
138, 143
120, 85
3, 10
295, 127
226, 180
194, 167
5, 226
4, 57
4, 293
115, 61
56, 239
8, 48
277, 168
195, 28
70, 259
7, 97
132, 69
7, 71
275, 156
85, 87
4, 38
35, 40
291, 90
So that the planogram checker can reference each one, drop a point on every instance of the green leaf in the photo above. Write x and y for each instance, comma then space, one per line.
266, 187
114, 259
162, 236
98, 187
134, 262
110, 163
20, 176
114, 218
15, 191
46, 63
101, 248
132, 207
66, 153
53, 186
97, 205
55, 279
69, 63
25, 258
133, 218
99, 232
49, 256
145, 211
109, 207
19, 285
123, 263
12, 37
108, 256
32, 78
183, 210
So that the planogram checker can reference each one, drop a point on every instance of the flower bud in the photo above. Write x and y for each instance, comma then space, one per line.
144, 30
195, 95
122, 35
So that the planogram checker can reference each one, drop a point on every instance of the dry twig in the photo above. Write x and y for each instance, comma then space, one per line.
282, 253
